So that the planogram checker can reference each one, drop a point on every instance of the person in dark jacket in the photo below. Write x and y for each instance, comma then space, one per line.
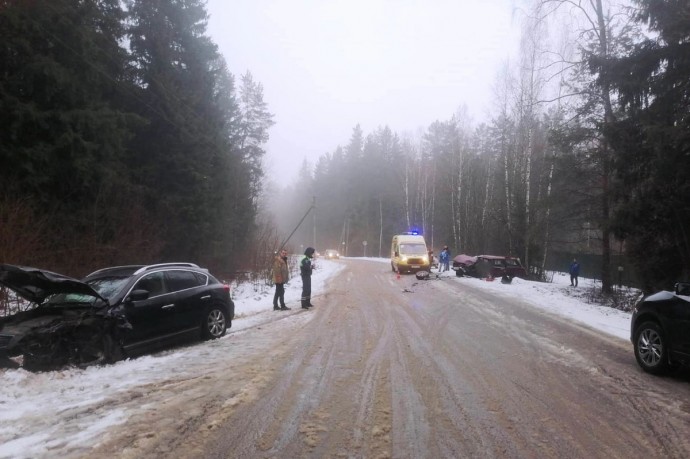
305, 269
574, 272
280, 277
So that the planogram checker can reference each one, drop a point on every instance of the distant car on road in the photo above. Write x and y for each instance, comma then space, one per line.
332, 254
488, 266
111, 314
660, 330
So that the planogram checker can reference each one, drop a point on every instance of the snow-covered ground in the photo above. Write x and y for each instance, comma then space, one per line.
30, 403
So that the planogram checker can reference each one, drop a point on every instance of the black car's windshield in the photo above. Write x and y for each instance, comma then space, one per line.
107, 287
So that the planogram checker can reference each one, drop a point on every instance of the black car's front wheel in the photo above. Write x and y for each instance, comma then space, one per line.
651, 351
215, 323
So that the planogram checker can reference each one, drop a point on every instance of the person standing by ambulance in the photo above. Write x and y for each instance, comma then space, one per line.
444, 259
305, 269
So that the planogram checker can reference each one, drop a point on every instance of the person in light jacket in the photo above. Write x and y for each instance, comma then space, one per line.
281, 275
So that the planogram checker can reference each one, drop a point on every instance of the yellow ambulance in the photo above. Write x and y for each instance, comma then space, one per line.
409, 253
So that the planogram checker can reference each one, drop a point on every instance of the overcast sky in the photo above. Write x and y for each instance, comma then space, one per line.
328, 65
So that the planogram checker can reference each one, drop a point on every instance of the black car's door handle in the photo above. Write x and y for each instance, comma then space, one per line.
168, 306
206, 297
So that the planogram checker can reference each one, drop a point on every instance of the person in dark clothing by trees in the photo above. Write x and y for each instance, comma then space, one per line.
574, 272
280, 277
305, 269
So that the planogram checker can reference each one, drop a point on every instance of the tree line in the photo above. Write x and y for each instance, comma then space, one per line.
125, 138
586, 154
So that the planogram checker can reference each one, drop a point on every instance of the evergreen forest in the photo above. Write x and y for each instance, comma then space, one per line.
125, 139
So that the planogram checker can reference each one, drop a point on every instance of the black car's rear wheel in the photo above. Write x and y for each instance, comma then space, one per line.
215, 323
651, 351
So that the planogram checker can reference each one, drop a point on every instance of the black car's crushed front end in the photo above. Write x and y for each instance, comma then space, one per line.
50, 339
46, 336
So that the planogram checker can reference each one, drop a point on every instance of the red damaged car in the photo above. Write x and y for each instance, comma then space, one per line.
488, 266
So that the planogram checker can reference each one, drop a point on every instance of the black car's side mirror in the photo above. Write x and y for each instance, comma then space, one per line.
137, 295
683, 288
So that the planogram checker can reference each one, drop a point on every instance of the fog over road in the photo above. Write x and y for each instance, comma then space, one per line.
391, 367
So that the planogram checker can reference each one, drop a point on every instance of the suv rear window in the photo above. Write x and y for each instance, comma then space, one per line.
181, 280
202, 278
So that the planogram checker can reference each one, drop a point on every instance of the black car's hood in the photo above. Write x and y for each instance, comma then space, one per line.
36, 284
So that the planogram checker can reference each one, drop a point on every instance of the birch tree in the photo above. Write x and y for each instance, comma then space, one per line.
531, 82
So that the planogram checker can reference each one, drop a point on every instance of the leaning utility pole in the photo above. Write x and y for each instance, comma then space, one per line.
313, 206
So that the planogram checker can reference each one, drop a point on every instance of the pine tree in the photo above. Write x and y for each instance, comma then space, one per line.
252, 130
187, 157
65, 129
653, 144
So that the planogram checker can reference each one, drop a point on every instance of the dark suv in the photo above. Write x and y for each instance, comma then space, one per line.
111, 314
660, 330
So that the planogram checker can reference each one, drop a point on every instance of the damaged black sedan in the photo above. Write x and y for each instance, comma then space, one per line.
111, 314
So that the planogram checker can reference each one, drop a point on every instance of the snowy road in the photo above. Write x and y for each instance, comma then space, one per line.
402, 368
383, 367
